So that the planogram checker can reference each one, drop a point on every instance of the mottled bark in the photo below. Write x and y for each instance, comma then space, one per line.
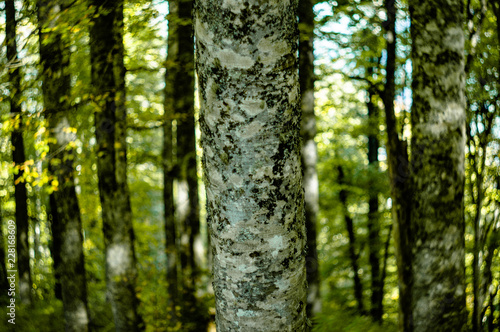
20, 194
54, 58
438, 141
106, 51
353, 255
373, 224
250, 122
309, 151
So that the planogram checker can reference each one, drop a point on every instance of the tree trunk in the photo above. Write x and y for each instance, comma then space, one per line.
309, 151
55, 244
373, 224
168, 169
21, 196
54, 57
180, 88
358, 286
250, 122
109, 94
399, 173
438, 141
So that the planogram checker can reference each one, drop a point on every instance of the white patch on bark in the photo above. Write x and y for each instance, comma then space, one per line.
272, 50
118, 259
231, 60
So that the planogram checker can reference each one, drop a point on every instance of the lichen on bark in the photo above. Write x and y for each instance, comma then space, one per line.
438, 140
250, 123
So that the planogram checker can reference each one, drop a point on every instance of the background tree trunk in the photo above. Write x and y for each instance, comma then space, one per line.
21, 196
180, 74
438, 157
309, 151
54, 57
399, 173
373, 223
109, 96
250, 122
353, 255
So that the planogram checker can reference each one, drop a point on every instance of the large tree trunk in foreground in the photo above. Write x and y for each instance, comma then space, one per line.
121, 270
438, 144
250, 121
309, 151
54, 57
20, 194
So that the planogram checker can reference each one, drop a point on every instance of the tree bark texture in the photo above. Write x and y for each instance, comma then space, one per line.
250, 122
55, 244
20, 194
353, 255
55, 57
121, 272
309, 151
438, 157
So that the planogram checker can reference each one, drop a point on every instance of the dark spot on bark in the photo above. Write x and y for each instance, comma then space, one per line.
255, 254
286, 263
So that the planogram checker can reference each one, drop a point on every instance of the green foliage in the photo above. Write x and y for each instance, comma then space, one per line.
334, 318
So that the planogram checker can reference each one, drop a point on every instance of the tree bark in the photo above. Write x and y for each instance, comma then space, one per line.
353, 255
55, 57
106, 46
309, 151
250, 122
20, 194
438, 157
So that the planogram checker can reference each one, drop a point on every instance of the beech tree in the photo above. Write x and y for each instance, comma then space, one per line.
18, 156
438, 173
250, 122
54, 57
108, 83
309, 151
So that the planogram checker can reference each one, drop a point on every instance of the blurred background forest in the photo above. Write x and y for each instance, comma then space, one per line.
356, 264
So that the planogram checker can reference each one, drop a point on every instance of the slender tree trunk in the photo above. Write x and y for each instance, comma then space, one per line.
309, 151
55, 244
373, 224
168, 168
438, 141
358, 286
121, 273
250, 122
399, 177
54, 57
21, 196
180, 74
